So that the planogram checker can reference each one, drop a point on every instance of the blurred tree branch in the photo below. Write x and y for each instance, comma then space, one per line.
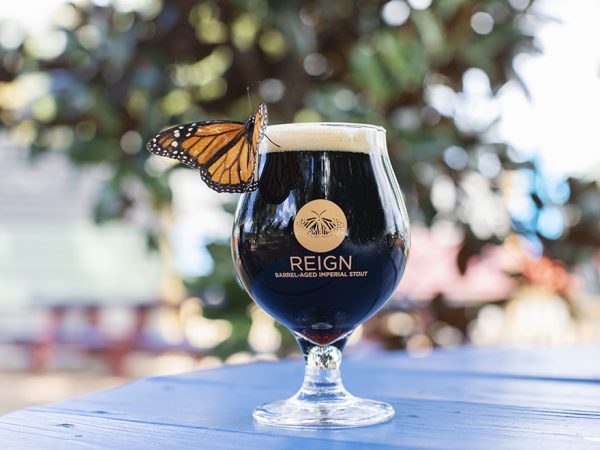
104, 79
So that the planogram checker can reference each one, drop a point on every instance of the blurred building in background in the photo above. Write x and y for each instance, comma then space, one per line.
115, 263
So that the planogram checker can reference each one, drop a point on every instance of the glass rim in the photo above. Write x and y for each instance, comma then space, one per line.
331, 124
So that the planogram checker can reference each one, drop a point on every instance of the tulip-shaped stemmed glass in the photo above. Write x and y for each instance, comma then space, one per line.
320, 246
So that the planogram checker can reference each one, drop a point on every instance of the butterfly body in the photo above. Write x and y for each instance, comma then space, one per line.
225, 152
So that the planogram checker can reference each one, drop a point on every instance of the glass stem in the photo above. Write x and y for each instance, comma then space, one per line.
322, 378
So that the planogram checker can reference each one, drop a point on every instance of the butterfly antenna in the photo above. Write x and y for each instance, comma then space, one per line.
276, 145
249, 101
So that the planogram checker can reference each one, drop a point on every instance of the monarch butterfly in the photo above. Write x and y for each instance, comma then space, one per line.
224, 151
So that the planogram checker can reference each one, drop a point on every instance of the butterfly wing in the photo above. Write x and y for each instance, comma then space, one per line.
239, 161
223, 151
231, 168
261, 121
279, 176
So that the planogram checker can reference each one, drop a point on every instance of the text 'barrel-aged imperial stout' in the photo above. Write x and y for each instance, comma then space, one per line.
322, 244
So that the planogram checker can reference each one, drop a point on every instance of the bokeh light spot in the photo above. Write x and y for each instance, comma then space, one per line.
176, 102
519, 5
46, 46
344, 99
244, 31
271, 90
419, 4
213, 89
89, 37
395, 13
44, 109
131, 142
399, 323
550, 222
482, 23
273, 43
12, 34
315, 64
307, 115
456, 157
488, 165
67, 16
443, 194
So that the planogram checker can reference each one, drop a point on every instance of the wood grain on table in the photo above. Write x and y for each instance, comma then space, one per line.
464, 399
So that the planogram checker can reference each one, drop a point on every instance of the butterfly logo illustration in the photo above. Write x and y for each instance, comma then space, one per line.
319, 225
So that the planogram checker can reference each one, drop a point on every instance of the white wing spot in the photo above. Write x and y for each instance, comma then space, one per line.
174, 144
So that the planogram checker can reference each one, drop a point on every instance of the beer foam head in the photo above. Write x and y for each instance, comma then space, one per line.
348, 137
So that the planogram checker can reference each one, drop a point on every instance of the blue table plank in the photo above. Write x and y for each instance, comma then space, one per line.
568, 363
449, 400
54, 431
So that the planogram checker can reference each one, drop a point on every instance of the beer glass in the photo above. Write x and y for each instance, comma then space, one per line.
320, 246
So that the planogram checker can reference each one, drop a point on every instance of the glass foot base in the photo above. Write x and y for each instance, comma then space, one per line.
345, 412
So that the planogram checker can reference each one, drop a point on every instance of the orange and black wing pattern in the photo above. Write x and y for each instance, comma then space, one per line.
225, 152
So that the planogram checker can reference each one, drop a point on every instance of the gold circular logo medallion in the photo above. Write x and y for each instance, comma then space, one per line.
320, 226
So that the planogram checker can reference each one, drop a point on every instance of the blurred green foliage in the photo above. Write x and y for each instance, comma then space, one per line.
105, 79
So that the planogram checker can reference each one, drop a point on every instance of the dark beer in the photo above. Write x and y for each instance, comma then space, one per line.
322, 244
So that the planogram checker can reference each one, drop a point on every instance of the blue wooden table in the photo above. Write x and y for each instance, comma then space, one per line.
459, 399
